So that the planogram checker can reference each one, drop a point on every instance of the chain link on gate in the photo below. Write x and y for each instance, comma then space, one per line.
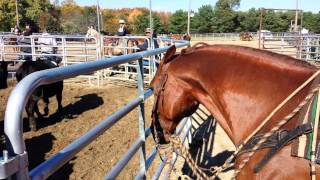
178, 147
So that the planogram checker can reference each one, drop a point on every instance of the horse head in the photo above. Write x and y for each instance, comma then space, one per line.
172, 99
93, 33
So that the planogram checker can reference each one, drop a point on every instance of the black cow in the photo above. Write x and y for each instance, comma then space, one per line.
3, 74
42, 92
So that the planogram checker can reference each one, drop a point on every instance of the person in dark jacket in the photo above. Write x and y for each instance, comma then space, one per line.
152, 38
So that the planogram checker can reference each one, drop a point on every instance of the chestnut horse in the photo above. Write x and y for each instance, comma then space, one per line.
240, 86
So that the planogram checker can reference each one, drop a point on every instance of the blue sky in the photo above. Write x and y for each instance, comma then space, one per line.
172, 5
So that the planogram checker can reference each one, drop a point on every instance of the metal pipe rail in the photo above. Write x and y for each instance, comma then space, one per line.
183, 125
123, 46
45, 169
304, 47
77, 49
18, 98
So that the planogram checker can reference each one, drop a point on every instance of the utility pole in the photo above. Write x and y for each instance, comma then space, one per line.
98, 16
296, 19
17, 13
150, 14
189, 11
260, 26
101, 18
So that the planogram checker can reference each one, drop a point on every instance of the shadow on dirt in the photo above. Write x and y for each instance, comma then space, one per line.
39, 146
71, 111
201, 148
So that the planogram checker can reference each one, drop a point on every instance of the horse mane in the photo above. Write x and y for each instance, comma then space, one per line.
258, 54
196, 46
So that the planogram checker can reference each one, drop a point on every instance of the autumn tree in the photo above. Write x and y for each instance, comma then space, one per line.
110, 20
33, 12
72, 18
89, 16
164, 19
133, 16
68, 17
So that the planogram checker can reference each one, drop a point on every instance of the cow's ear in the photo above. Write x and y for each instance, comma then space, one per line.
169, 54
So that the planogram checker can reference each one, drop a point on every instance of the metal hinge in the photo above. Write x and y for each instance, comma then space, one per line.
11, 165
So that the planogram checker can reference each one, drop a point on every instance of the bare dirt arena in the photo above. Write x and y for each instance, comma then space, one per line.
84, 107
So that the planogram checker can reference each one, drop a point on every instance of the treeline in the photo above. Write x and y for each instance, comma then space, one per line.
68, 17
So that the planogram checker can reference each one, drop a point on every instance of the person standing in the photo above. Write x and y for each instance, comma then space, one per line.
122, 31
17, 31
48, 46
28, 30
25, 42
152, 38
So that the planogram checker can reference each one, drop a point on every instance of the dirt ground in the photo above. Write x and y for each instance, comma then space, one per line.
254, 43
85, 107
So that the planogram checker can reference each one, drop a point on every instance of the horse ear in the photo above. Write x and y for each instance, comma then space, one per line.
169, 54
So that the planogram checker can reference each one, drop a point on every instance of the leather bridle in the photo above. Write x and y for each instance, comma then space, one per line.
156, 128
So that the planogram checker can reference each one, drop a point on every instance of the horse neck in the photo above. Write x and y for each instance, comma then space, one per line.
94, 34
239, 93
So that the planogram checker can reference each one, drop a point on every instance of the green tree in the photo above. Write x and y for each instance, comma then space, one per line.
49, 20
248, 21
311, 21
202, 22
276, 22
225, 18
34, 10
227, 4
178, 22
89, 16
7, 14
142, 22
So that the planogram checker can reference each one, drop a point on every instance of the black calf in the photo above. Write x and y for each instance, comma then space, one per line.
3, 74
42, 92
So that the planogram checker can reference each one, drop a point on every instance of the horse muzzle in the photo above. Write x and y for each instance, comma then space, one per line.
157, 131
